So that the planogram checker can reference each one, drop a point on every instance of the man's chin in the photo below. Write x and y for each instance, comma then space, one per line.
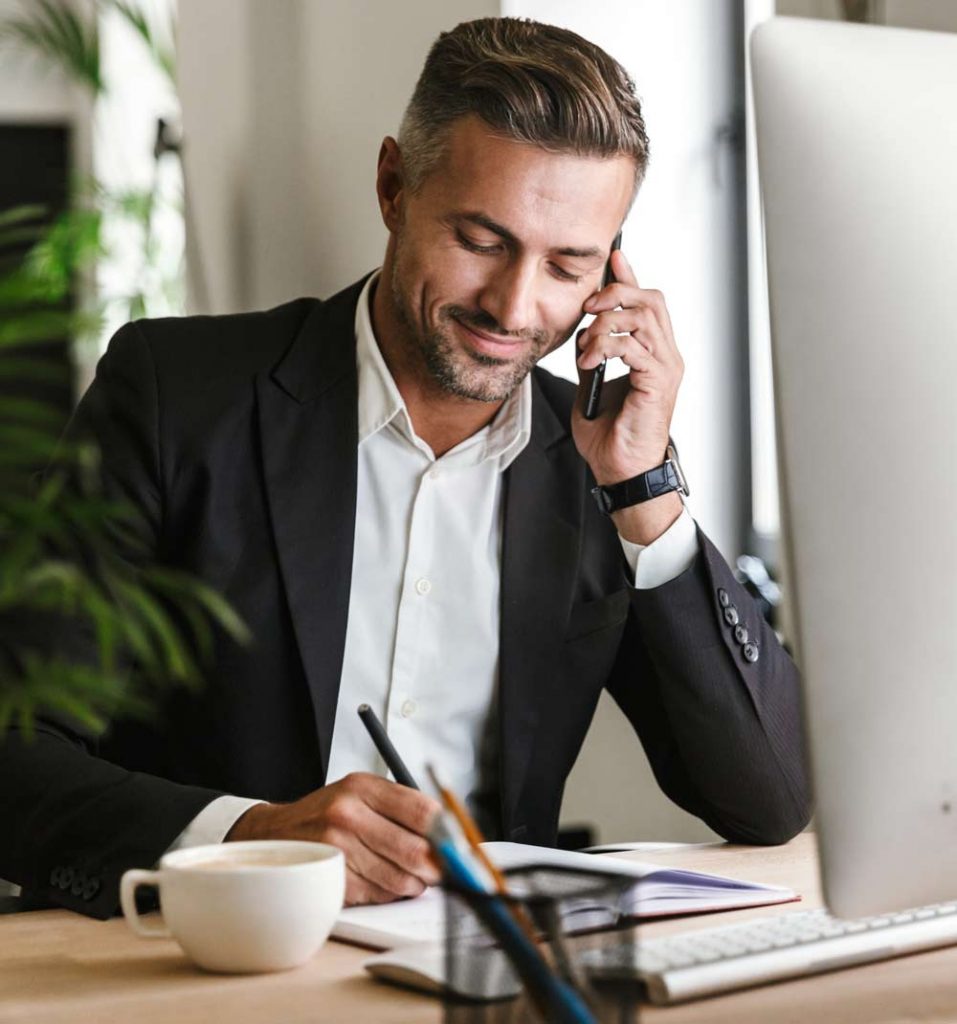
479, 386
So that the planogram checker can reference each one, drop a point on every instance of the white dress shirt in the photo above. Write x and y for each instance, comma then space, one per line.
422, 637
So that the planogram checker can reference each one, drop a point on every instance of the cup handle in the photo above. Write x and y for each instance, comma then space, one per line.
129, 883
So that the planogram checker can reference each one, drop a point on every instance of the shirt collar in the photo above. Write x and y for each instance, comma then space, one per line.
381, 405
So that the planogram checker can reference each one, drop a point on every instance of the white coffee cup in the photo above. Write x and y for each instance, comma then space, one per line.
262, 905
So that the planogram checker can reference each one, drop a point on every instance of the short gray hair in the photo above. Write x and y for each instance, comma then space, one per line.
529, 82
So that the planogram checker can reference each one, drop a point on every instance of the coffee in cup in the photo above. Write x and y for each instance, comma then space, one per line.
262, 905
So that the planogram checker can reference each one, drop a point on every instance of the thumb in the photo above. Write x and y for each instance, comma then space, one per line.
581, 373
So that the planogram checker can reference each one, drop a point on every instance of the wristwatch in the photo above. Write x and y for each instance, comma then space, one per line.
661, 480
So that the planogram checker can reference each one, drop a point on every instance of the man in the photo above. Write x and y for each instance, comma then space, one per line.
398, 504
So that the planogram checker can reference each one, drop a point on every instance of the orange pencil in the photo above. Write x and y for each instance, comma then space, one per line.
475, 838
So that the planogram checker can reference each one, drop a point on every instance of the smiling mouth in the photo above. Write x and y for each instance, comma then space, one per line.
491, 343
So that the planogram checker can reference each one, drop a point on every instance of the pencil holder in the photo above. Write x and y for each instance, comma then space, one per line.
560, 913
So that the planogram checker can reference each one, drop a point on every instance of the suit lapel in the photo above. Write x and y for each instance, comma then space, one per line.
308, 431
540, 553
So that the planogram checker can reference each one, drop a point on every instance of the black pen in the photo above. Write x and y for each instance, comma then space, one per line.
383, 744
594, 390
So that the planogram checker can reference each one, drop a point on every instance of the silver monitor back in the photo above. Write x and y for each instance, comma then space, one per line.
857, 149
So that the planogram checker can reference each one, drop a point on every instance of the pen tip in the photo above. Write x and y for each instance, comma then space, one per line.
362, 707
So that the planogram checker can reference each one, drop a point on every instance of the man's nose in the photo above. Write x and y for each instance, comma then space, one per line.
509, 297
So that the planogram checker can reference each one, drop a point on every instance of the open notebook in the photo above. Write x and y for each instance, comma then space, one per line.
657, 892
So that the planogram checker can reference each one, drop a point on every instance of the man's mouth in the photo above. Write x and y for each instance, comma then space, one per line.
489, 343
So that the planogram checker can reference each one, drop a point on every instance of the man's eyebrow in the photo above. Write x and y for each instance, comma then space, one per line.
484, 221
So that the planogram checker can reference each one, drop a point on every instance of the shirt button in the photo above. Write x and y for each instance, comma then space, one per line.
408, 708
422, 586
435, 473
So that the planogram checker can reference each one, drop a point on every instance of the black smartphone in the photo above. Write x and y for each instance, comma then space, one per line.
594, 391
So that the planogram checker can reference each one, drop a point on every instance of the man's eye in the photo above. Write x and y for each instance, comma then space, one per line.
467, 243
564, 275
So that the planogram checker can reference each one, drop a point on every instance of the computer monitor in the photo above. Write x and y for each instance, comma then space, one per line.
857, 153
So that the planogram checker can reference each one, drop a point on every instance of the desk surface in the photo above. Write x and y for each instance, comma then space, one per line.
56, 966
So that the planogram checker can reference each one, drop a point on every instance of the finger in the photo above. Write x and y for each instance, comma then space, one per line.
626, 296
640, 322
383, 872
617, 346
657, 302
368, 854
584, 376
403, 849
351, 816
622, 269
387, 879
360, 890
410, 808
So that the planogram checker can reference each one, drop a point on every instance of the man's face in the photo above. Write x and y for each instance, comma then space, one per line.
494, 256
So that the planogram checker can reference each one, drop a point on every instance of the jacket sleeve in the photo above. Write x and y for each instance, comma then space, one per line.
718, 712
70, 822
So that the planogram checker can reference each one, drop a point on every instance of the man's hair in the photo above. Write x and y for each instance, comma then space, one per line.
529, 82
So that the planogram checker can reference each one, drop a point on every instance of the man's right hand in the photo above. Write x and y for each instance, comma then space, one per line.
378, 825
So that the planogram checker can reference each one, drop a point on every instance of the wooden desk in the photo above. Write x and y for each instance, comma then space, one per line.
56, 966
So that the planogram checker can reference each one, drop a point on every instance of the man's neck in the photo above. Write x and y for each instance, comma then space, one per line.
441, 420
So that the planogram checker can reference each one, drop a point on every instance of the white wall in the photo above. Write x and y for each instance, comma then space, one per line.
214, 67
284, 107
32, 93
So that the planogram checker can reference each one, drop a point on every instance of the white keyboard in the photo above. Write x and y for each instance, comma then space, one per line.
712, 960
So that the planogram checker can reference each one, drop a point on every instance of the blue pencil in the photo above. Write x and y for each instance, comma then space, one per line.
562, 1003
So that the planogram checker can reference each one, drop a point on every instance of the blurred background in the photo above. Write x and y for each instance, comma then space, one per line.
210, 156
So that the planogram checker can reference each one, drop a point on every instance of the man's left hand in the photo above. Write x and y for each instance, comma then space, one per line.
630, 434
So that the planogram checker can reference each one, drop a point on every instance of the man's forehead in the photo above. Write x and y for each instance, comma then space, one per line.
514, 183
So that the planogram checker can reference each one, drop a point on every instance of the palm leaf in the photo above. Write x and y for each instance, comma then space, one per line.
38, 370
59, 36
136, 18
15, 216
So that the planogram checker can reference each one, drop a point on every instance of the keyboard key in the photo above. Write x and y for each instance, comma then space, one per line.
785, 945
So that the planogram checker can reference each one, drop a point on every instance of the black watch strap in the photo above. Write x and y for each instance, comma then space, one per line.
655, 482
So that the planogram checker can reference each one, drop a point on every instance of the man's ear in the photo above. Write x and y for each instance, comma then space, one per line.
390, 183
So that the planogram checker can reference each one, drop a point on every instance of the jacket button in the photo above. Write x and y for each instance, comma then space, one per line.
731, 615
55, 876
79, 883
91, 888
741, 634
751, 653
66, 878
724, 598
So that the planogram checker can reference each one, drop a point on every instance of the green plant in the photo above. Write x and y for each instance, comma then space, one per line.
66, 37
61, 36
90, 626
72, 564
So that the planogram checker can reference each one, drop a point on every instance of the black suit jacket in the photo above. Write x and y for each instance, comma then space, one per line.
236, 436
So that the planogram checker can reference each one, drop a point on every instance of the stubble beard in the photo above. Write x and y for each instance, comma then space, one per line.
460, 372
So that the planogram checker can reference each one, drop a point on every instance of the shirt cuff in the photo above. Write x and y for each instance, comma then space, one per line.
666, 558
213, 822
